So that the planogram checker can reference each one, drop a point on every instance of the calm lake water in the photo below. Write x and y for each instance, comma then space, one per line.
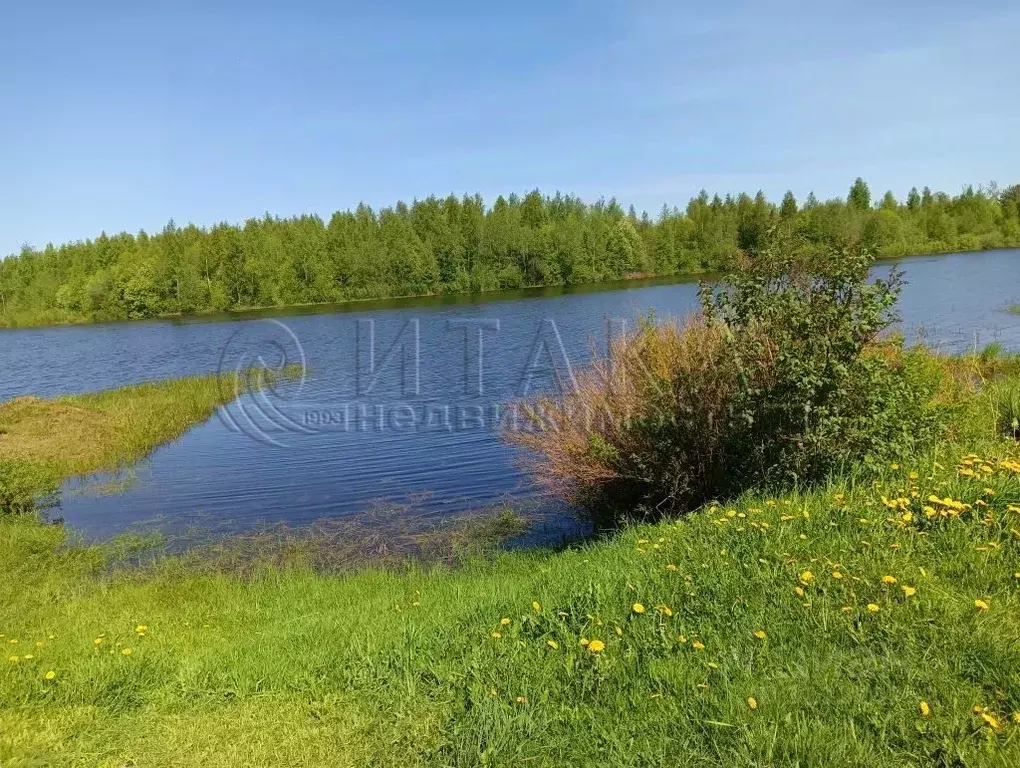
359, 433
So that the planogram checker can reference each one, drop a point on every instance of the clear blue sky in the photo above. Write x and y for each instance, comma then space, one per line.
122, 116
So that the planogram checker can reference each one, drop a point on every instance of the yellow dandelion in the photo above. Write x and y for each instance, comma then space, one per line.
13, 641
536, 606
51, 675
637, 608
925, 709
888, 579
496, 635
698, 645
798, 592
28, 657
671, 567
991, 720
873, 608
807, 577
837, 575
665, 610
981, 605
760, 634
98, 641
552, 644
13, 659
522, 699
141, 629
752, 703
847, 609
908, 591
504, 622
125, 652
596, 646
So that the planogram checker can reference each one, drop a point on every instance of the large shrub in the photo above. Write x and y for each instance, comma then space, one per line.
782, 378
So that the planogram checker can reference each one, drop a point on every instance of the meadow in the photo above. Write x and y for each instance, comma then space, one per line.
869, 620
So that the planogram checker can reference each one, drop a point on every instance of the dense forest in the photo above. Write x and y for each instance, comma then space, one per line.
446, 245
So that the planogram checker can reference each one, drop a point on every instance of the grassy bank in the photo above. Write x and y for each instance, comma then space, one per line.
43, 442
870, 621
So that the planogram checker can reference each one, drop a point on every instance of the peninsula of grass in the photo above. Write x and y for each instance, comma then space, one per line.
872, 620
46, 441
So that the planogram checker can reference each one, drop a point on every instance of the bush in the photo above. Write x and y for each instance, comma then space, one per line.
782, 379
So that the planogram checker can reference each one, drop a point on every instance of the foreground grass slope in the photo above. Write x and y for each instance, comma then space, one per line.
803, 629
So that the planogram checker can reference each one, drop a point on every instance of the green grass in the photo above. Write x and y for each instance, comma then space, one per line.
290, 666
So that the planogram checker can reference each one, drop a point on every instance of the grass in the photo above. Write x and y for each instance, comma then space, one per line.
495, 662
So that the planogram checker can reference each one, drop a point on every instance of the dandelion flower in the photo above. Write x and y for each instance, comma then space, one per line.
992, 720
752, 703
807, 577
698, 645
798, 592
98, 641
522, 699
908, 591
596, 646
552, 644
496, 635
13, 659
51, 675
760, 634
981, 605
504, 622
837, 575
125, 652
671, 567
13, 641
638, 608
847, 609
536, 606
873, 608
28, 657
925, 709
665, 610
141, 629
888, 579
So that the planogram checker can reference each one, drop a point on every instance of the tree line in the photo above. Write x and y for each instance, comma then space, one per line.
459, 244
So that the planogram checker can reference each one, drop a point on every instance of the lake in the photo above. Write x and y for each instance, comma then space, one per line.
401, 400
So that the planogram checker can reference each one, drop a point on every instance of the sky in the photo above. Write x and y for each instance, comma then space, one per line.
120, 117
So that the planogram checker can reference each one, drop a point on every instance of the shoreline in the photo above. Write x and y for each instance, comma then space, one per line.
405, 300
